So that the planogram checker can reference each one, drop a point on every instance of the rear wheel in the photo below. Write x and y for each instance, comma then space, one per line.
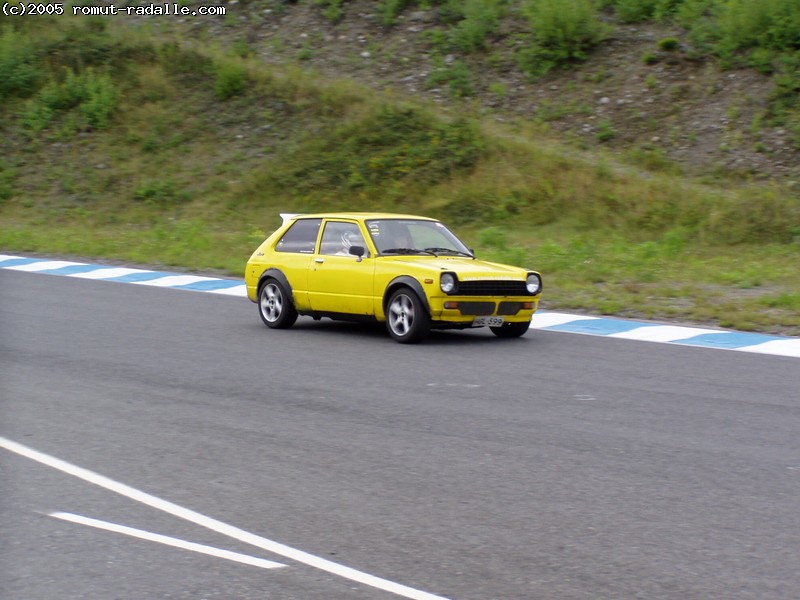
406, 317
511, 330
275, 306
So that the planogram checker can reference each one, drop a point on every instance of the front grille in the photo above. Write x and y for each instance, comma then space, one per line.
492, 288
476, 308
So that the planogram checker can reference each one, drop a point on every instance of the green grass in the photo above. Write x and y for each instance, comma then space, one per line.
159, 153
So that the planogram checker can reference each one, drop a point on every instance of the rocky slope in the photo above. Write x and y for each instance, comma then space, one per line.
660, 107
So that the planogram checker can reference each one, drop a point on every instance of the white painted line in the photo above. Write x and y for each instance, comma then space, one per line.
778, 347
662, 333
44, 265
239, 290
169, 541
107, 273
172, 280
218, 526
551, 319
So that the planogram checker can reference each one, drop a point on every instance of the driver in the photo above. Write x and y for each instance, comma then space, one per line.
398, 238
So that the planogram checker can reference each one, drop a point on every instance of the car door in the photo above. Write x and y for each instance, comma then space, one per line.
339, 282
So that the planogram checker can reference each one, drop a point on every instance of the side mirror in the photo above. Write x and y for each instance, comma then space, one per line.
358, 251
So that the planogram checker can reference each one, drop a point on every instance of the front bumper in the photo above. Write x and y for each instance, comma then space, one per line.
462, 310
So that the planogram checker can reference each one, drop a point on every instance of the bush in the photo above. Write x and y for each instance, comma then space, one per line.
19, 74
605, 131
457, 77
669, 44
562, 33
771, 24
231, 80
633, 11
390, 9
734, 29
481, 18
93, 93
332, 9
99, 100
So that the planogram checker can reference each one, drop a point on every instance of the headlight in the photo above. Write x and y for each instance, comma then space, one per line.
533, 283
447, 282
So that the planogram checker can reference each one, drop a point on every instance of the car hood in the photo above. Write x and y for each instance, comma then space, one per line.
466, 268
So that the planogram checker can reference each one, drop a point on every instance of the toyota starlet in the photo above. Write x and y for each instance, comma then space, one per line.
411, 273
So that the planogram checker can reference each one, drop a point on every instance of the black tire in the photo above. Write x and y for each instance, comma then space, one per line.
511, 330
275, 305
407, 320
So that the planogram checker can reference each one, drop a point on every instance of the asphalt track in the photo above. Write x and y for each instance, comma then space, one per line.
553, 321
156, 443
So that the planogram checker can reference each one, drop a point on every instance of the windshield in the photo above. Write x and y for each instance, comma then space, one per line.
413, 236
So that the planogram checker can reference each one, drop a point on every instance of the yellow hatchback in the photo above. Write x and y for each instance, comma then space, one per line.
410, 272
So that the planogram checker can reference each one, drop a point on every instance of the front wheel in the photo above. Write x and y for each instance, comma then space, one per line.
406, 317
275, 306
511, 330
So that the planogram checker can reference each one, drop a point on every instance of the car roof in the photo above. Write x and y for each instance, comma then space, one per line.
357, 216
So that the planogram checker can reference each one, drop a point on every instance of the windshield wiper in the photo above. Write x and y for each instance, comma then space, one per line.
450, 250
407, 251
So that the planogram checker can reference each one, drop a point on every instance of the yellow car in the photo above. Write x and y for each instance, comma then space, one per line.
410, 272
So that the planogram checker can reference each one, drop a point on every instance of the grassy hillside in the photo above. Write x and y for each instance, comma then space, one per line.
176, 142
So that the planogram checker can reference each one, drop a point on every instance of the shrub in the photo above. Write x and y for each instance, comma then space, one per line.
785, 94
390, 9
649, 58
36, 116
99, 101
332, 9
457, 77
231, 80
562, 33
605, 131
632, 11
772, 24
19, 75
481, 18
93, 93
669, 44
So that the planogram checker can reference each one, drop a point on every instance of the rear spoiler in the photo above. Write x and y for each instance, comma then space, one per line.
287, 216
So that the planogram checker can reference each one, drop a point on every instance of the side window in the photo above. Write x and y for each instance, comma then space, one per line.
338, 237
300, 237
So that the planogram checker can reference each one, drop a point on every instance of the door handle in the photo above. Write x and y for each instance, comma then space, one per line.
319, 260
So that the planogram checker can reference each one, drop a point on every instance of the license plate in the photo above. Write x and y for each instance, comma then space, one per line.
490, 321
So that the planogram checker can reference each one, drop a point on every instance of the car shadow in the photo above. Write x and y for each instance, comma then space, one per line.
377, 331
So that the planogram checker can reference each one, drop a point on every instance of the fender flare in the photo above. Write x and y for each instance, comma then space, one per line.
409, 282
277, 274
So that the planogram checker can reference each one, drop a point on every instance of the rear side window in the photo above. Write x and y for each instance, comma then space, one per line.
300, 237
